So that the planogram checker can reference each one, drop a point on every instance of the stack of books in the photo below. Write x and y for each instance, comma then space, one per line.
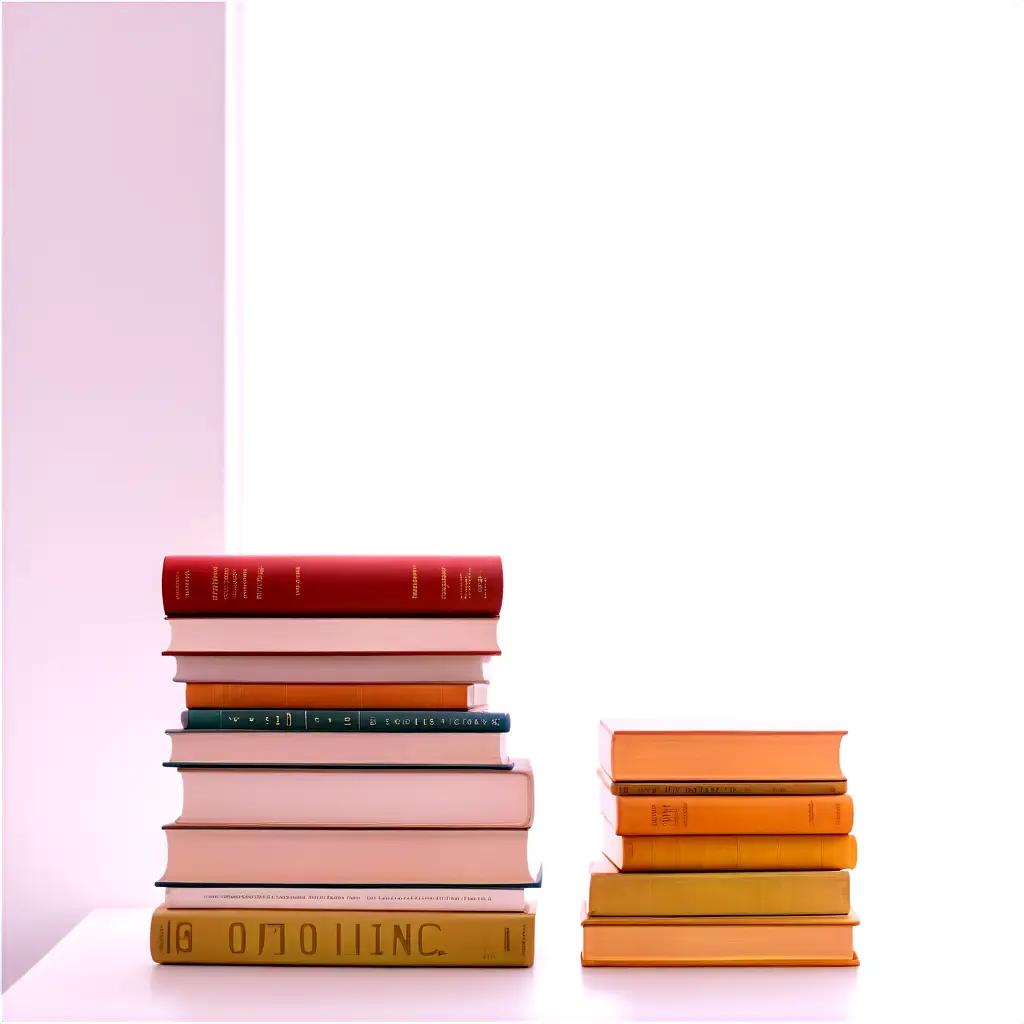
348, 798
721, 848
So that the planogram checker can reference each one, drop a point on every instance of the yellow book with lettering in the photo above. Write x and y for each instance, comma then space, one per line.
345, 938
716, 893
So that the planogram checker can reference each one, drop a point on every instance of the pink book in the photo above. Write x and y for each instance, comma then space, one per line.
360, 797
330, 668
339, 856
255, 747
337, 897
222, 635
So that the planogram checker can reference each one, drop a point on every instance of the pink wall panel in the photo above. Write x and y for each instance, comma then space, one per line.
113, 420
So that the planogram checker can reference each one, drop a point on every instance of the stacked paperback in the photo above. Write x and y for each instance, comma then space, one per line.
347, 796
721, 848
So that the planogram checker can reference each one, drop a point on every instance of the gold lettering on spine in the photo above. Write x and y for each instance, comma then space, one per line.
298, 581
420, 935
236, 937
403, 937
415, 583
307, 939
182, 937
215, 584
377, 948
271, 931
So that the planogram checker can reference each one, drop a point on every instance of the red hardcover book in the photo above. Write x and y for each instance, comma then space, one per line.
332, 585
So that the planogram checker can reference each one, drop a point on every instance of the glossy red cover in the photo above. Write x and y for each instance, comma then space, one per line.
327, 585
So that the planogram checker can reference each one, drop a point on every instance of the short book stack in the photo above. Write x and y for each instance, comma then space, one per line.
721, 849
348, 798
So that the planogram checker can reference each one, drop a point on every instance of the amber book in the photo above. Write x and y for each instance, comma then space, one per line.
342, 938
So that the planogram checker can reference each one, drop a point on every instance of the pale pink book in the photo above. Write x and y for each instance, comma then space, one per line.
256, 747
454, 798
330, 668
324, 856
341, 898
225, 635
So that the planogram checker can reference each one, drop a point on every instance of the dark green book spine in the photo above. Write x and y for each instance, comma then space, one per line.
341, 720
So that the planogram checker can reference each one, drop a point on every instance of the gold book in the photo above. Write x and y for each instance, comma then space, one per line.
819, 941
716, 893
342, 938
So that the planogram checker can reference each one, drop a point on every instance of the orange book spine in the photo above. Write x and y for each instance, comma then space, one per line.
423, 696
730, 853
728, 815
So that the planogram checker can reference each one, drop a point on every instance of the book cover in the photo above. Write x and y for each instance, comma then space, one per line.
730, 853
328, 696
709, 894
813, 941
211, 747
727, 815
379, 938
649, 752
332, 585
456, 798
213, 855
229, 635
330, 668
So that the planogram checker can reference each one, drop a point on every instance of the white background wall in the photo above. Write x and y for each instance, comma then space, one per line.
113, 434
707, 318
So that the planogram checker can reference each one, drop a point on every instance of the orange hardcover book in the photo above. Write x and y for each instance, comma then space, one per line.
815, 941
727, 815
729, 853
354, 696
649, 752
816, 787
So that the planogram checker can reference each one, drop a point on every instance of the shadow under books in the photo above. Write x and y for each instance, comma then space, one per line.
721, 993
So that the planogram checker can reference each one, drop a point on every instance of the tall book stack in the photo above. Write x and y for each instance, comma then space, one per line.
347, 794
721, 848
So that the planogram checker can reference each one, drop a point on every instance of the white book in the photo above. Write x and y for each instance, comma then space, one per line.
341, 898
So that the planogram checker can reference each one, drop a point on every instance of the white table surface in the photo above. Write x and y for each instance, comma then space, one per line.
102, 971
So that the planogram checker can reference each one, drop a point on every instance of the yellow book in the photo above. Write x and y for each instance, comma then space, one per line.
818, 941
342, 938
716, 893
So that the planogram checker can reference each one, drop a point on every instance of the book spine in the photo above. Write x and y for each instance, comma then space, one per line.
732, 815
713, 894
342, 938
326, 585
836, 788
325, 696
734, 853
339, 898
345, 720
